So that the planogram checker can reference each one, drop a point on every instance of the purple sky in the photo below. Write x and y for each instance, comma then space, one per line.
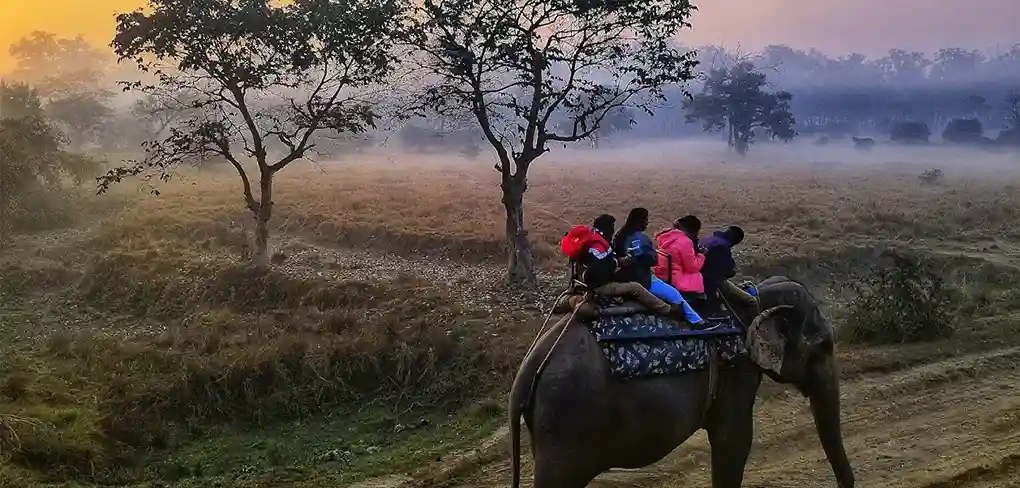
867, 26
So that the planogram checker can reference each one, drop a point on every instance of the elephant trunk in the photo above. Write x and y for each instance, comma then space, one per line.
824, 396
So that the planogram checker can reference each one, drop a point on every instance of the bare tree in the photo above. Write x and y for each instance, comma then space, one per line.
159, 111
266, 77
535, 72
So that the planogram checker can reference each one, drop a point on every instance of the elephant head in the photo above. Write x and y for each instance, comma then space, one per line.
793, 343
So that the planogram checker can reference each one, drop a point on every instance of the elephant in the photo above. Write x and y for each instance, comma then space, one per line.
584, 420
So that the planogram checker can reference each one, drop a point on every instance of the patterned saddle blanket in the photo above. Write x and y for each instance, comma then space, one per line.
647, 345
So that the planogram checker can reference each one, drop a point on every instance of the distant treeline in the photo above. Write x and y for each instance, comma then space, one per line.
855, 94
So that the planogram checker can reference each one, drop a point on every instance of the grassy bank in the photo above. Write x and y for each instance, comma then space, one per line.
137, 357
136, 348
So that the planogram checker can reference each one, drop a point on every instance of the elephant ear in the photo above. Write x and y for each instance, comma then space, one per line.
767, 344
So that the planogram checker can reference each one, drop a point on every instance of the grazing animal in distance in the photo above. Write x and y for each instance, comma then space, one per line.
863, 142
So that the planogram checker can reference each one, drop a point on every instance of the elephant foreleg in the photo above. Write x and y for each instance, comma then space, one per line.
730, 443
730, 426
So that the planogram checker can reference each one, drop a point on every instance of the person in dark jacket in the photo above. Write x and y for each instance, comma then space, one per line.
638, 257
719, 264
630, 242
599, 262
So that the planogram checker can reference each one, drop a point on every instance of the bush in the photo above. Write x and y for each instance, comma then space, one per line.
910, 132
906, 302
258, 346
1009, 137
963, 131
34, 167
931, 176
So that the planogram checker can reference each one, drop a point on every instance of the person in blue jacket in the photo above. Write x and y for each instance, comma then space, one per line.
637, 256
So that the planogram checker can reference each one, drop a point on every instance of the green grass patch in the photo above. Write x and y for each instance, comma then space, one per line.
245, 378
338, 449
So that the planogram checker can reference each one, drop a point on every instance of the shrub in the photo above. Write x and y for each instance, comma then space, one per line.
910, 132
1009, 137
34, 166
259, 346
931, 176
905, 302
963, 131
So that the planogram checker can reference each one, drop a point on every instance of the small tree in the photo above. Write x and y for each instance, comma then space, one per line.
81, 115
963, 131
734, 99
619, 120
32, 162
58, 67
19, 100
536, 72
304, 57
910, 132
159, 112
978, 107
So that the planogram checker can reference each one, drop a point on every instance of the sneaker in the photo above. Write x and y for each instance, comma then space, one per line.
707, 325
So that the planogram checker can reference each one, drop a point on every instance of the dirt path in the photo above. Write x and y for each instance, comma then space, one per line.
953, 423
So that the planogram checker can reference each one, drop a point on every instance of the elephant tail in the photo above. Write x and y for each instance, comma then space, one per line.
519, 397
521, 400
515, 443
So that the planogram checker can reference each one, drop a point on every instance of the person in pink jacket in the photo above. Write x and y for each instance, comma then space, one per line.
681, 244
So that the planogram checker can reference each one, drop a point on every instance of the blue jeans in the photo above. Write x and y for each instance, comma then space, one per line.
665, 292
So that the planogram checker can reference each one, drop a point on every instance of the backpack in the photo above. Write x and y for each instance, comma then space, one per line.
577, 241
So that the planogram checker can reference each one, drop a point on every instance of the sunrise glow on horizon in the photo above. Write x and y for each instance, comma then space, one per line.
868, 26
93, 20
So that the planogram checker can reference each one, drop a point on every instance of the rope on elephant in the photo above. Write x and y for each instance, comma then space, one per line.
545, 322
726, 301
548, 354
713, 378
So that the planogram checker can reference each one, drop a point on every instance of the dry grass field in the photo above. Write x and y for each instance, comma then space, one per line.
136, 349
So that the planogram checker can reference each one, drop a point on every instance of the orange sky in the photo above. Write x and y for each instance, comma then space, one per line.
93, 19
869, 26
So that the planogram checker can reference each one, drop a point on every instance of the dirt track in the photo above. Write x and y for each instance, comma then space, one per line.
948, 424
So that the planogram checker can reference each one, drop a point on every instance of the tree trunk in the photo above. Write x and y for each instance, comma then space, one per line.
260, 256
521, 258
742, 143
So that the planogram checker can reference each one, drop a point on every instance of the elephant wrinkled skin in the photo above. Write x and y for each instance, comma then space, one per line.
583, 420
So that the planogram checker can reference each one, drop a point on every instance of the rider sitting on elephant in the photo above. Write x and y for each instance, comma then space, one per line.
719, 267
599, 265
683, 268
631, 243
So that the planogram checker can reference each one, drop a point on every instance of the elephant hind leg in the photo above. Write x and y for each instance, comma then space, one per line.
564, 471
731, 426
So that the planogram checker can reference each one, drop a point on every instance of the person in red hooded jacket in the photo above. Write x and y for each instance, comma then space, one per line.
683, 270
